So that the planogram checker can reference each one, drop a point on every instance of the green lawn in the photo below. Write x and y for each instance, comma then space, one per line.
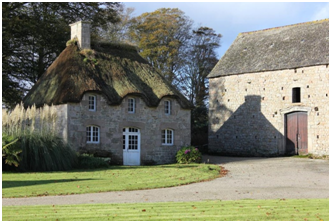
115, 178
243, 210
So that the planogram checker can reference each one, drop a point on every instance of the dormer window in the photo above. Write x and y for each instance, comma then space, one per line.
131, 105
92, 103
167, 107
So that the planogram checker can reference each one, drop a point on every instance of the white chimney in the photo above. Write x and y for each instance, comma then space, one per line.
81, 30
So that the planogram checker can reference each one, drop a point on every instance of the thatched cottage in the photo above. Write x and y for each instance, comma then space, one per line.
269, 93
109, 98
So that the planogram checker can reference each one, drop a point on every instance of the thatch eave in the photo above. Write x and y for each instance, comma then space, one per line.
112, 71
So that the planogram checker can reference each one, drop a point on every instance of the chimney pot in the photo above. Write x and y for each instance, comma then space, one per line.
81, 31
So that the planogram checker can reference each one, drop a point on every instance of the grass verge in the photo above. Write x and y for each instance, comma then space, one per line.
312, 156
243, 210
115, 178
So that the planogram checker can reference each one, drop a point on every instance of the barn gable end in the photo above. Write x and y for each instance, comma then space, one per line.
262, 80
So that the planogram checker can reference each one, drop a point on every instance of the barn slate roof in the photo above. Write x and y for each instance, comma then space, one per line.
112, 70
287, 47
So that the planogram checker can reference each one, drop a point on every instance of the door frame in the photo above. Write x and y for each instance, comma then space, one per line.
296, 133
284, 112
131, 157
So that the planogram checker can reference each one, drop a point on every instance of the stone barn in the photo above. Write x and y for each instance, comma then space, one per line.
269, 93
110, 99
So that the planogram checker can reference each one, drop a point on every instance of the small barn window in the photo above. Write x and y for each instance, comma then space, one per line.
296, 95
92, 134
167, 107
92, 103
131, 105
167, 137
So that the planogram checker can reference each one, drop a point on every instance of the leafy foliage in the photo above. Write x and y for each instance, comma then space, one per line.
11, 150
161, 36
87, 161
200, 59
199, 127
34, 33
188, 154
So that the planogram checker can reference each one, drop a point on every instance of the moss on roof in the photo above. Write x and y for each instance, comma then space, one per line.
112, 70
287, 47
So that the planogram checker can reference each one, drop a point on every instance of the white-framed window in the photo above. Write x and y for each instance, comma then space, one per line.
92, 103
92, 134
167, 107
131, 105
167, 137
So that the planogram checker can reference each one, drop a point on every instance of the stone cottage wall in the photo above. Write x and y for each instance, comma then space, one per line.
112, 119
247, 111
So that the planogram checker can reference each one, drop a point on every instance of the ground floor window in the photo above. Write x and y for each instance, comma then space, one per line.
167, 137
92, 134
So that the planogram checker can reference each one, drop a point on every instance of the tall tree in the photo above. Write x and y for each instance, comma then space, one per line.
35, 33
161, 36
200, 59
119, 32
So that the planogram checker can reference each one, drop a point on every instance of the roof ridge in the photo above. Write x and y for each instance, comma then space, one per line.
278, 27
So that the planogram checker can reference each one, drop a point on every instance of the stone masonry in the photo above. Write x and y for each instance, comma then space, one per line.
112, 119
247, 111
81, 31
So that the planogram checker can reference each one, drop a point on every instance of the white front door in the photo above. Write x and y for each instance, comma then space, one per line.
131, 146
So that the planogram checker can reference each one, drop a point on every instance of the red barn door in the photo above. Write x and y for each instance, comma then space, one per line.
296, 133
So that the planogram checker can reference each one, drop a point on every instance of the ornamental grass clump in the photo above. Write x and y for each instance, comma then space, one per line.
31, 142
188, 154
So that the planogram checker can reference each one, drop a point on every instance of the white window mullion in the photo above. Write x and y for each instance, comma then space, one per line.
92, 134
167, 137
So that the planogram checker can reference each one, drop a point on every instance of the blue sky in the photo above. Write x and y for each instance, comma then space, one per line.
230, 19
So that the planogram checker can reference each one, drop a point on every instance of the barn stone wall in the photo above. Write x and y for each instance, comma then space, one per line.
247, 111
112, 119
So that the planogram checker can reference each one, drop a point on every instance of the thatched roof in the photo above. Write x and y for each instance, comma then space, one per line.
288, 47
114, 71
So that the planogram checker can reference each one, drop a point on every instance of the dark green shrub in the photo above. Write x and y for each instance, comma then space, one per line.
87, 161
46, 153
188, 154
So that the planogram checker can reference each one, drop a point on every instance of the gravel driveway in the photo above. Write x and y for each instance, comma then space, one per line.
248, 178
